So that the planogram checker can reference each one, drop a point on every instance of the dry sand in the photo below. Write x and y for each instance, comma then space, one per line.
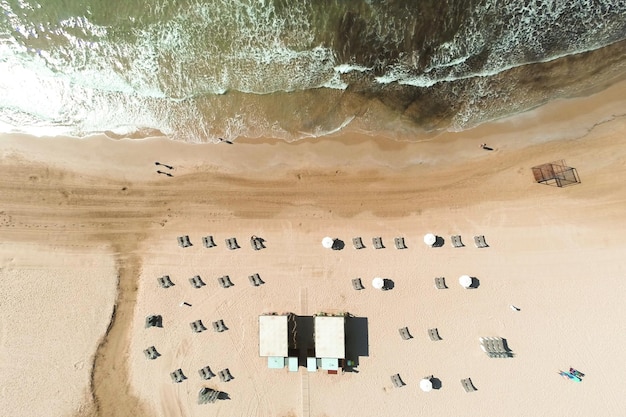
78, 217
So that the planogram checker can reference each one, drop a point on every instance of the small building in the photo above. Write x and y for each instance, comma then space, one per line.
274, 333
330, 341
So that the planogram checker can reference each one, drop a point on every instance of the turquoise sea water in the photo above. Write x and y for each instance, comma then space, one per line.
200, 70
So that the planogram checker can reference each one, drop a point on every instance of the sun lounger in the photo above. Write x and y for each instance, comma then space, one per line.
467, 384
196, 282
434, 334
456, 241
440, 283
208, 242
225, 281
404, 333
495, 347
154, 321
480, 241
208, 395
378, 243
178, 376
232, 244
357, 284
151, 353
197, 326
219, 326
397, 381
165, 281
225, 375
399, 242
358, 243
256, 280
206, 373
184, 242
257, 243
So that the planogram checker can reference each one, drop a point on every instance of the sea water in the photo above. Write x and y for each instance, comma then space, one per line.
292, 69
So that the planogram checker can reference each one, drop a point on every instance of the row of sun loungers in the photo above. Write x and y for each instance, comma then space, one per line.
225, 282
400, 243
256, 242
165, 281
495, 347
219, 326
466, 383
154, 321
205, 373
151, 353
256, 280
432, 333
197, 326
197, 282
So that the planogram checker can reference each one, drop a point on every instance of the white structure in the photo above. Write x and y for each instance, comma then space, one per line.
330, 341
426, 384
378, 283
274, 340
465, 281
430, 239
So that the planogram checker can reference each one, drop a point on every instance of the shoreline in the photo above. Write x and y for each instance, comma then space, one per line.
106, 191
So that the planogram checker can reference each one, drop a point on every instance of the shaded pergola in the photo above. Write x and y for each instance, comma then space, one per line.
555, 173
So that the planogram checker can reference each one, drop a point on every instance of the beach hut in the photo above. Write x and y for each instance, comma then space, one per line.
274, 333
328, 242
430, 239
465, 281
555, 173
330, 341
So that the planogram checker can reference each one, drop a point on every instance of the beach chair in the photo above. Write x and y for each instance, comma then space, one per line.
197, 326
208, 395
184, 242
434, 334
208, 242
154, 321
255, 280
378, 243
397, 381
196, 282
151, 353
257, 243
165, 281
467, 384
206, 373
440, 283
219, 326
178, 376
456, 241
357, 284
358, 243
225, 281
404, 333
399, 242
480, 241
225, 375
232, 244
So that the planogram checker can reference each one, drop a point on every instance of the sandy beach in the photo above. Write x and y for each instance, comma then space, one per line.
88, 225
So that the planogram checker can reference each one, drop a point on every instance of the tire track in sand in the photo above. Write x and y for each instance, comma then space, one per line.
110, 388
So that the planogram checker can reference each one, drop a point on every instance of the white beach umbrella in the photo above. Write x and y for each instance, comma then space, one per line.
378, 283
465, 281
426, 384
430, 239
328, 242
